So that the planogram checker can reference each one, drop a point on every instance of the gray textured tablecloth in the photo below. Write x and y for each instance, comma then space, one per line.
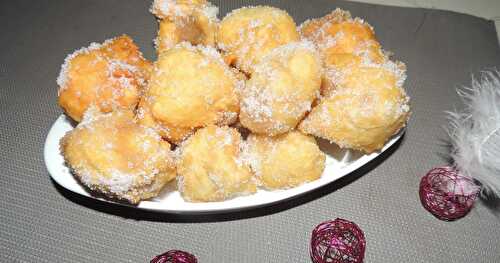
41, 222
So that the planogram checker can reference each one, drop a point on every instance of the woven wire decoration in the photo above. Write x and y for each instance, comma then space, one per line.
337, 241
175, 256
447, 194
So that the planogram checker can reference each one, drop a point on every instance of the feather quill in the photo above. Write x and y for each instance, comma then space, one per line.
475, 133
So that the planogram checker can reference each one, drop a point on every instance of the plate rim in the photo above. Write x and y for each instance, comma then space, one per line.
53, 137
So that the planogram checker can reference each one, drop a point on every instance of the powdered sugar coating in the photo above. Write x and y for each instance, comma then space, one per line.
257, 100
113, 155
211, 11
337, 74
337, 32
281, 89
210, 166
361, 117
62, 78
284, 161
109, 76
169, 9
247, 34
363, 101
191, 87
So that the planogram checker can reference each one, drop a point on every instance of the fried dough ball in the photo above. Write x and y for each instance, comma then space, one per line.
191, 21
190, 87
210, 167
286, 160
247, 34
364, 103
342, 41
365, 111
281, 89
337, 33
109, 75
113, 155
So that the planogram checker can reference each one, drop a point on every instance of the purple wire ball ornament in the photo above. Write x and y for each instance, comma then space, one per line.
175, 256
447, 194
337, 241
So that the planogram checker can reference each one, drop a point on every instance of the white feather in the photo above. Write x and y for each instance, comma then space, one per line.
475, 132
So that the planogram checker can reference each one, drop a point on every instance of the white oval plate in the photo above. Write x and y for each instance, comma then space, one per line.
339, 163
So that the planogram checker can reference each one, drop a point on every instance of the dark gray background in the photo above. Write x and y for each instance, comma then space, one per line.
40, 222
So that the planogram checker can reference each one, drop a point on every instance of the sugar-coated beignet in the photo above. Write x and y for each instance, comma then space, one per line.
281, 89
109, 76
113, 155
247, 34
286, 160
211, 168
342, 41
338, 33
190, 87
364, 112
190, 21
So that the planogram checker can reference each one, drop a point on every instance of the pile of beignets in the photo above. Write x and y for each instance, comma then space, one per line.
230, 105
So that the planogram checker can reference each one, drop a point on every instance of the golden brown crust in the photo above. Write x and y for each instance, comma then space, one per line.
210, 166
363, 102
342, 40
191, 87
173, 134
363, 113
113, 155
281, 89
247, 34
285, 161
329, 78
109, 75
338, 33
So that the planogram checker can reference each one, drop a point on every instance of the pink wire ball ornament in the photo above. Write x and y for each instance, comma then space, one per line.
337, 241
447, 194
175, 256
